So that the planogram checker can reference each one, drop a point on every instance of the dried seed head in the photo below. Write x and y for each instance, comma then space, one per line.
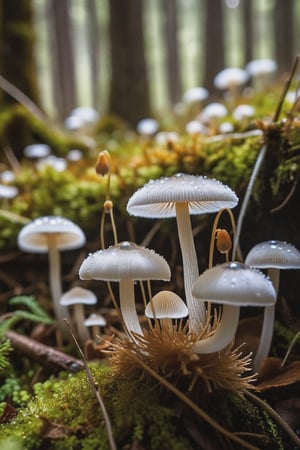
103, 164
108, 206
224, 243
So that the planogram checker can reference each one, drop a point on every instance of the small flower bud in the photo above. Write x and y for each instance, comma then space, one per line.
108, 206
103, 164
223, 240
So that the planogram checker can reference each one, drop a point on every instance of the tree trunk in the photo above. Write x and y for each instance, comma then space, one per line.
129, 90
214, 42
17, 61
64, 86
94, 49
247, 14
284, 34
173, 65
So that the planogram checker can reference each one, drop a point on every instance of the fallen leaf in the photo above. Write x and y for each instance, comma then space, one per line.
272, 375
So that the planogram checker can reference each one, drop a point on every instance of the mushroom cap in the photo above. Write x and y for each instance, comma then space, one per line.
274, 254
36, 151
8, 192
78, 295
230, 76
166, 304
243, 111
235, 283
214, 110
33, 237
94, 320
125, 260
195, 94
158, 198
147, 126
261, 66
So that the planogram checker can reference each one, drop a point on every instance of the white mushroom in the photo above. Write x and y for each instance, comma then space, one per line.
125, 262
95, 322
231, 79
261, 71
165, 306
147, 127
274, 256
37, 151
77, 297
232, 285
179, 196
52, 234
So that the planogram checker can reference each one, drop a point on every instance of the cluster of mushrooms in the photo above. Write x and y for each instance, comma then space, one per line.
232, 284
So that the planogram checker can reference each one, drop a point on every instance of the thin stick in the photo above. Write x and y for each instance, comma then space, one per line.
275, 416
95, 388
193, 405
43, 354
20, 97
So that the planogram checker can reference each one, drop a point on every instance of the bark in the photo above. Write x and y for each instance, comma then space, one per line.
214, 42
129, 90
173, 63
64, 86
94, 49
17, 61
284, 34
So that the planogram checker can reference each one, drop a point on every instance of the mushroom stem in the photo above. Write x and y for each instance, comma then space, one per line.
61, 312
79, 317
127, 306
268, 324
224, 333
197, 314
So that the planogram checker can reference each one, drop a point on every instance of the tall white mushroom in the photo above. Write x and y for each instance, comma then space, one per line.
125, 263
274, 256
179, 196
52, 234
232, 285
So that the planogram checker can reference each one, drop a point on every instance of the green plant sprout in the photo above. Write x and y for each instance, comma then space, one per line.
32, 312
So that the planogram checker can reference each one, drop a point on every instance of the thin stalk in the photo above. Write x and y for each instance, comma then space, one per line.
61, 312
96, 390
197, 312
201, 413
274, 416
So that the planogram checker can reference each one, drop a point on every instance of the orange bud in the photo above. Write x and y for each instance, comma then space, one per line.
108, 206
223, 240
103, 164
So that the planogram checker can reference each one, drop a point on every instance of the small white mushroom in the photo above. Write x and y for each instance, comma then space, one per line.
274, 256
261, 72
147, 127
231, 79
37, 151
52, 234
179, 196
77, 297
125, 263
232, 285
95, 322
165, 306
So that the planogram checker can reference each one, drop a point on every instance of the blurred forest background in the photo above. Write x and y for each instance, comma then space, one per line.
136, 58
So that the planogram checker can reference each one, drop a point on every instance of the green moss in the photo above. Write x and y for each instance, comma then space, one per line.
66, 408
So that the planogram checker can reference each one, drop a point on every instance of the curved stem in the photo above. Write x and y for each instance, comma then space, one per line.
61, 312
127, 307
224, 333
268, 325
197, 313
256, 169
